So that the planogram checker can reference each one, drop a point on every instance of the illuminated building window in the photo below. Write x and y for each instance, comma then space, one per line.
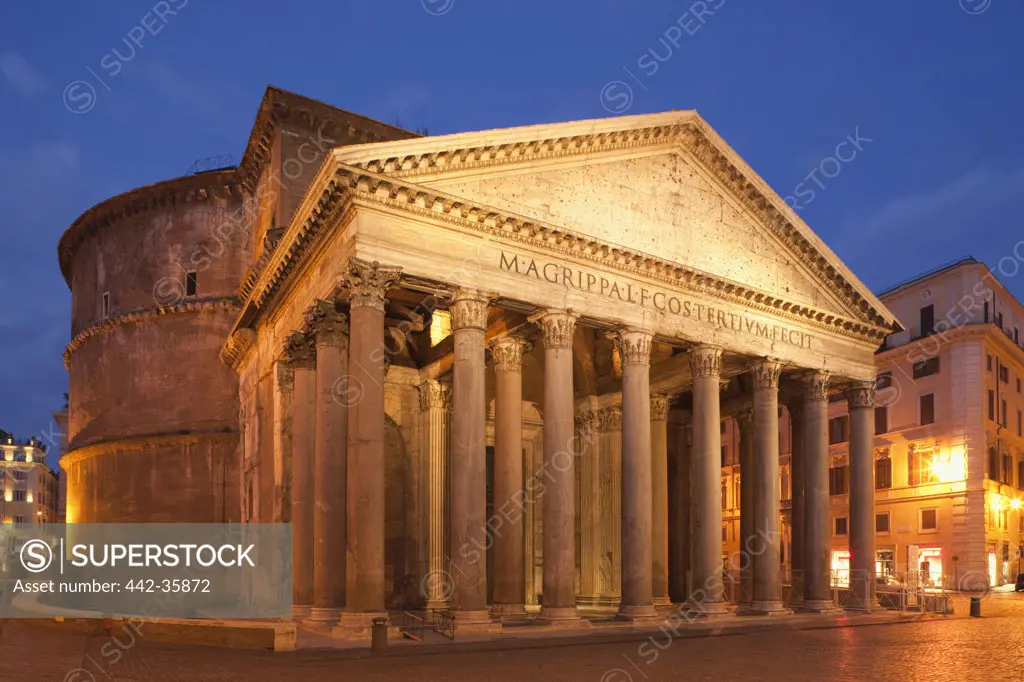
926, 368
883, 474
837, 481
882, 522
839, 528
838, 430
881, 420
885, 562
928, 519
927, 405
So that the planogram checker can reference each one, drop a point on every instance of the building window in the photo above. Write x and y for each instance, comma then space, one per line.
725, 496
838, 430
991, 405
929, 519
986, 315
19, 495
105, 305
19, 519
988, 359
840, 526
883, 381
725, 532
882, 522
191, 284
1004, 374
837, 481
993, 464
1007, 468
883, 474
927, 320
926, 368
881, 420
723, 456
927, 404
1018, 384
1020, 425
1003, 411
1016, 335
19, 475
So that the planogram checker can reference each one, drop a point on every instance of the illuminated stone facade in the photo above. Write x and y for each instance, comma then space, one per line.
29, 487
488, 371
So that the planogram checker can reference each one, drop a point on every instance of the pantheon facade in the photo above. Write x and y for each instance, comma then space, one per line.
484, 372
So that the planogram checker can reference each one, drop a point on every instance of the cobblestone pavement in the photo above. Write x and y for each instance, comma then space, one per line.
989, 649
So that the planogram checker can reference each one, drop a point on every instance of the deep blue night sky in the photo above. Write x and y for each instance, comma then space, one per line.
933, 85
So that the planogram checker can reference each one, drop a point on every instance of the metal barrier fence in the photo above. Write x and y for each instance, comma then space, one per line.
409, 625
443, 623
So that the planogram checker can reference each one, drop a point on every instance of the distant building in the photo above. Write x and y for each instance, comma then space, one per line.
30, 490
62, 479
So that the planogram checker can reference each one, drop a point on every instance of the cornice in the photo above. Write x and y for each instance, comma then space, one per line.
140, 315
686, 130
142, 444
347, 185
183, 190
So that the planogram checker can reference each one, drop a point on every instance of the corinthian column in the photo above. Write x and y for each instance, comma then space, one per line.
435, 400
509, 492
659, 500
817, 534
767, 598
301, 355
637, 594
559, 505
363, 389
469, 463
861, 401
610, 531
330, 330
796, 469
748, 497
707, 597
284, 394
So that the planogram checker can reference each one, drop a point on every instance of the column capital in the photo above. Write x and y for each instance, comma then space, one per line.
328, 326
368, 282
659, 408
587, 421
815, 386
507, 353
610, 419
634, 346
300, 351
861, 395
706, 361
766, 372
557, 327
469, 310
434, 394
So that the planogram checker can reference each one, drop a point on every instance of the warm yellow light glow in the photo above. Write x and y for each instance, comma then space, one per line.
28, 496
8, 495
1015, 504
949, 466
9, 455
440, 326
28, 456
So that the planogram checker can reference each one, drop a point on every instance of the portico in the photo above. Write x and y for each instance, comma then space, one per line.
528, 340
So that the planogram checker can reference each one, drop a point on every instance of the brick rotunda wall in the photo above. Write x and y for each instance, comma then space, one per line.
153, 412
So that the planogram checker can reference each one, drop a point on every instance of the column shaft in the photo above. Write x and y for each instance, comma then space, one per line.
301, 353
435, 400
469, 462
767, 597
796, 478
559, 507
748, 498
679, 510
817, 533
610, 566
637, 592
509, 486
590, 503
330, 463
284, 394
707, 596
861, 401
363, 388
659, 500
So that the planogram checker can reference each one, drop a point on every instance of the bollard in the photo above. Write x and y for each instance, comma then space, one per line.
379, 640
975, 607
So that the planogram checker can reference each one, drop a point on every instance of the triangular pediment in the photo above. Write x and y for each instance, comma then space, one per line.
659, 184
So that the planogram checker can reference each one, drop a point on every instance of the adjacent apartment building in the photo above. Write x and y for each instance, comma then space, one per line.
30, 487
949, 436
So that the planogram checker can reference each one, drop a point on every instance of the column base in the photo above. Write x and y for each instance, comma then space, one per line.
608, 600
322, 617
662, 601
509, 611
438, 605
707, 610
301, 611
589, 600
819, 606
358, 625
644, 613
561, 617
767, 608
476, 622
